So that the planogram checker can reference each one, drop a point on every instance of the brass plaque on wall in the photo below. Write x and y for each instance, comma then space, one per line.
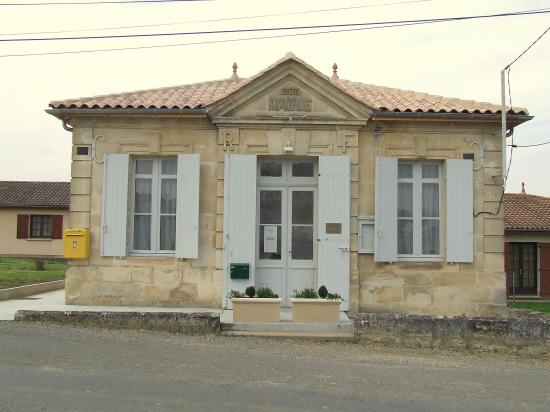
333, 228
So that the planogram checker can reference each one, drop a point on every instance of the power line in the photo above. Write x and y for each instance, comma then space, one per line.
528, 145
88, 3
251, 30
506, 173
207, 42
259, 16
527, 49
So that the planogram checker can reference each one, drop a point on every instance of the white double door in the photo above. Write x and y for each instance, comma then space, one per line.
286, 249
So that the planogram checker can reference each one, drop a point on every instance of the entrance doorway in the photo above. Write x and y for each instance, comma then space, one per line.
523, 269
286, 222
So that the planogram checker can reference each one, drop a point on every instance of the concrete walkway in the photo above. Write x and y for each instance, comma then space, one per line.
55, 301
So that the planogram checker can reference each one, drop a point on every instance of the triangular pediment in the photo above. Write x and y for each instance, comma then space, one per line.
290, 91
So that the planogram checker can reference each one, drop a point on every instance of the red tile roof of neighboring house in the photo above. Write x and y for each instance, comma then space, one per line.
35, 194
200, 95
524, 212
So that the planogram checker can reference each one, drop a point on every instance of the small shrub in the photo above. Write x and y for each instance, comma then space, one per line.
250, 291
334, 296
266, 293
236, 294
39, 265
323, 292
307, 293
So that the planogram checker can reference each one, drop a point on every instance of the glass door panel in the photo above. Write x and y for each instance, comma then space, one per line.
302, 228
271, 208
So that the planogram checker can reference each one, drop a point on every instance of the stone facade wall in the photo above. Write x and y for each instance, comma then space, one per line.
141, 280
424, 288
523, 335
476, 288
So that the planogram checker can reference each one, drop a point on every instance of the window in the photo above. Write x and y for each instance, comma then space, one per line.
41, 227
297, 171
154, 205
365, 231
418, 209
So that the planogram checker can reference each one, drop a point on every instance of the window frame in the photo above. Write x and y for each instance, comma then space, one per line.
156, 177
365, 221
417, 180
286, 178
42, 234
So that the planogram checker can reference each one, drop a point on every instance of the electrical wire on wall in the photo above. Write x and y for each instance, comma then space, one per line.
506, 173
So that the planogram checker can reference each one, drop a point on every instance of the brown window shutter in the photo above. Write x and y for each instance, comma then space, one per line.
57, 226
507, 266
544, 269
22, 226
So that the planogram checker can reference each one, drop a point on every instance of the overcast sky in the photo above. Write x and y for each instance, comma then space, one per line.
456, 59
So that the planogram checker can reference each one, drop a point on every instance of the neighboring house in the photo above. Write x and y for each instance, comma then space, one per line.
32, 218
527, 247
290, 174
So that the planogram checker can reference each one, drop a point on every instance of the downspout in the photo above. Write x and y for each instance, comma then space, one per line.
503, 125
67, 127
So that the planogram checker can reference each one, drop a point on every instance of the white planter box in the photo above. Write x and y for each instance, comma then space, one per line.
256, 310
315, 310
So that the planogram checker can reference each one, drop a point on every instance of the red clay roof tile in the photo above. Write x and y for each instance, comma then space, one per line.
198, 95
35, 194
524, 212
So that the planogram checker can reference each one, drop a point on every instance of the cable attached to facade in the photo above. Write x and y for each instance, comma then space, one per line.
506, 173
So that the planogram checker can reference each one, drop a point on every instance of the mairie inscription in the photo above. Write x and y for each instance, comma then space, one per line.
290, 99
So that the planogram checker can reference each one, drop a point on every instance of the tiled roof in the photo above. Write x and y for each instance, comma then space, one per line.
199, 95
526, 212
35, 194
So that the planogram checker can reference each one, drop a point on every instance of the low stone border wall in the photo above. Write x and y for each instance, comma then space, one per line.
27, 290
506, 334
198, 322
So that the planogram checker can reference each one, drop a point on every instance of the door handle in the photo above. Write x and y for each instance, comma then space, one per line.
344, 249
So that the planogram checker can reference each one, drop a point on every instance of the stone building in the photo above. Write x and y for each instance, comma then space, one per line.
292, 179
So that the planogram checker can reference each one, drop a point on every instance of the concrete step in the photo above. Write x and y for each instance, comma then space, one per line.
286, 328
289, 327
324, 336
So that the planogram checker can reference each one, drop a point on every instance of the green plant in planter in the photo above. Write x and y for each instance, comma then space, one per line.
250, 291
236, 294
334, 296
307, 293
266, 293
323, 292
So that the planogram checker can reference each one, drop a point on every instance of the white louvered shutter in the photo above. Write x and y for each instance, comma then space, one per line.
115, 205
187, 212
460, 204
333, 267
239, 219
385, 224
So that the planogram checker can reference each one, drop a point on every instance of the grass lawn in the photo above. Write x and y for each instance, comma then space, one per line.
19, 271
537, 306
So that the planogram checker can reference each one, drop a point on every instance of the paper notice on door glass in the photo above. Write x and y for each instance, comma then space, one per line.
270, 239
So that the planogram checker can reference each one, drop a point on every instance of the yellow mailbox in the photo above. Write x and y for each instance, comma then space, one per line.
76, 244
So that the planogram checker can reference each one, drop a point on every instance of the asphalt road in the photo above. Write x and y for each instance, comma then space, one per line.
56, 368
